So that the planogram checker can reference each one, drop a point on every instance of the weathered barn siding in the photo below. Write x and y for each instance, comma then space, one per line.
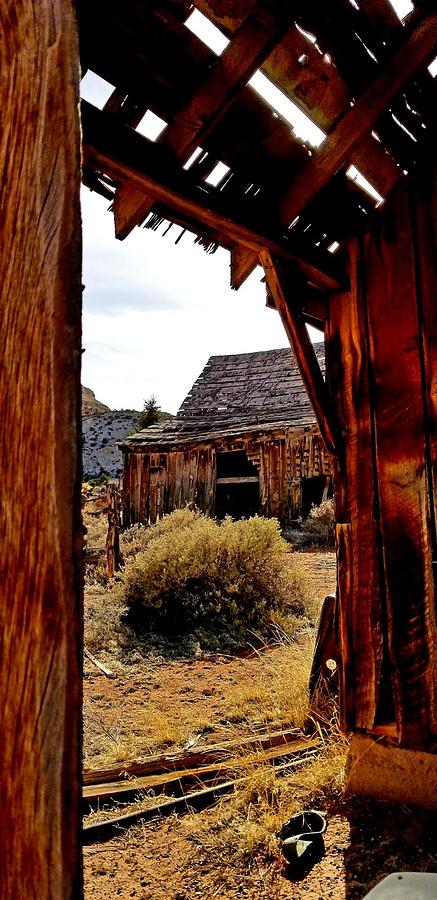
381, 363
158, 482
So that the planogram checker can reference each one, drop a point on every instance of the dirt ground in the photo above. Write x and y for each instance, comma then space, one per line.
158, 704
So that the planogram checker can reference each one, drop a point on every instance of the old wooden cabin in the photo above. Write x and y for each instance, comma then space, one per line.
244, 441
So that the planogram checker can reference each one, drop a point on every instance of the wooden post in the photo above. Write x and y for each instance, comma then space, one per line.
40, 520
113, 537
381, 340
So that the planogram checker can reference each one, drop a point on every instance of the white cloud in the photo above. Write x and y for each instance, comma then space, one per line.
154, 312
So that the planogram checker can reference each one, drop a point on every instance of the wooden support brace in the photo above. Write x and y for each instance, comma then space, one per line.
280, 286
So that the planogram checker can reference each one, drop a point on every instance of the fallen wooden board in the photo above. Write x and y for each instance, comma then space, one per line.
157, 765
98, 664
122, 790
197, 800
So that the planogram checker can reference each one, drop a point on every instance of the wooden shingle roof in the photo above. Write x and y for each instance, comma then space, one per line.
239, 393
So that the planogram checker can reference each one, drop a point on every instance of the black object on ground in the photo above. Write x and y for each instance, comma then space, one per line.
302, 837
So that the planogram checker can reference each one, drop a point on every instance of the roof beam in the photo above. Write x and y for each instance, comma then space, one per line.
355, 124
247, 50
111, 147
285, 290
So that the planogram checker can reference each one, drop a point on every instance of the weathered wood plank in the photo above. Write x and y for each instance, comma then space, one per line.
358, 121
231, 71
401, 468
40, 408
243, 263
347, 367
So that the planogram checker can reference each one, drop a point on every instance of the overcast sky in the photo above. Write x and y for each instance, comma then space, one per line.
154, 312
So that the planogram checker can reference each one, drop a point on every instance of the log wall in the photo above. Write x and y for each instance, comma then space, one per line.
40, 519
381, 367
157, 482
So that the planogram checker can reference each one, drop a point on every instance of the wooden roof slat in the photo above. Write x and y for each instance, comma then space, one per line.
338, 149
116, 149
230, 73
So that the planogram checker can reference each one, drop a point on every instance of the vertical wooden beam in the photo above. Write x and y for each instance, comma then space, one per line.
347, 371
280, 286
381, 346
40, 521
401, 467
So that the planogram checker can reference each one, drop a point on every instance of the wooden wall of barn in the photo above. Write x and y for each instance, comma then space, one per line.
156, 482
382, 370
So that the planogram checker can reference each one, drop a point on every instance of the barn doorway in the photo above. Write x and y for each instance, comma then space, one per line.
237, 485
314, 490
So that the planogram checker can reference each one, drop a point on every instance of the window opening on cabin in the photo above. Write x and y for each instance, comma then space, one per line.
402, 8
237, 485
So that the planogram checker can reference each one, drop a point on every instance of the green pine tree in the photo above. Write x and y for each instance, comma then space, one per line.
151, 412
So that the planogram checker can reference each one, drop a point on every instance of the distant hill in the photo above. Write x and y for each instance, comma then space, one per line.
90, 404
102, 431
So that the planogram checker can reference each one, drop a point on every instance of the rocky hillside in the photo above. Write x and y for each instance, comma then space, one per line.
89, 403
102, 432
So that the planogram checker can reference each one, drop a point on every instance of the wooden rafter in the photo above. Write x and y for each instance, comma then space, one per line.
338, 148
251, 44
285, 292
114, 148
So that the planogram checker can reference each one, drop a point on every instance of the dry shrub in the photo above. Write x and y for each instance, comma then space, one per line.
320, 524
197, 572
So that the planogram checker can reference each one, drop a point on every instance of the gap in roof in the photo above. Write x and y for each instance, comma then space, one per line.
95, 89
192, 159
432, 68
207, 32
303, 127
402, 8
355, 175
151, 125
218, 173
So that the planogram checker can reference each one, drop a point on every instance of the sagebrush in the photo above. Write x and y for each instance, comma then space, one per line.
320, 524
190, 570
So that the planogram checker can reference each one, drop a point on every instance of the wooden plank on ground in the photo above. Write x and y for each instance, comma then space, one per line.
40, 412
167, 783
196, 800
188, 759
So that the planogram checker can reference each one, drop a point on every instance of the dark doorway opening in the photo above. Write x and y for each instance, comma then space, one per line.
237, 485
314, 490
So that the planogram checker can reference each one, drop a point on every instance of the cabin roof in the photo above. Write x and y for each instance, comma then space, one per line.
235, 164
239, 394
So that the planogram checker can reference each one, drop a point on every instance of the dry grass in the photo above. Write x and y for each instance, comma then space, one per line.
246, 823
279, 695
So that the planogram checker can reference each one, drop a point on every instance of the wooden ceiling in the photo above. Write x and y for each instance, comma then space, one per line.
364, 81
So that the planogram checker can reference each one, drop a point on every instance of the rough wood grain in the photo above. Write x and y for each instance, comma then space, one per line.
40, 407
400, 430
359, 592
